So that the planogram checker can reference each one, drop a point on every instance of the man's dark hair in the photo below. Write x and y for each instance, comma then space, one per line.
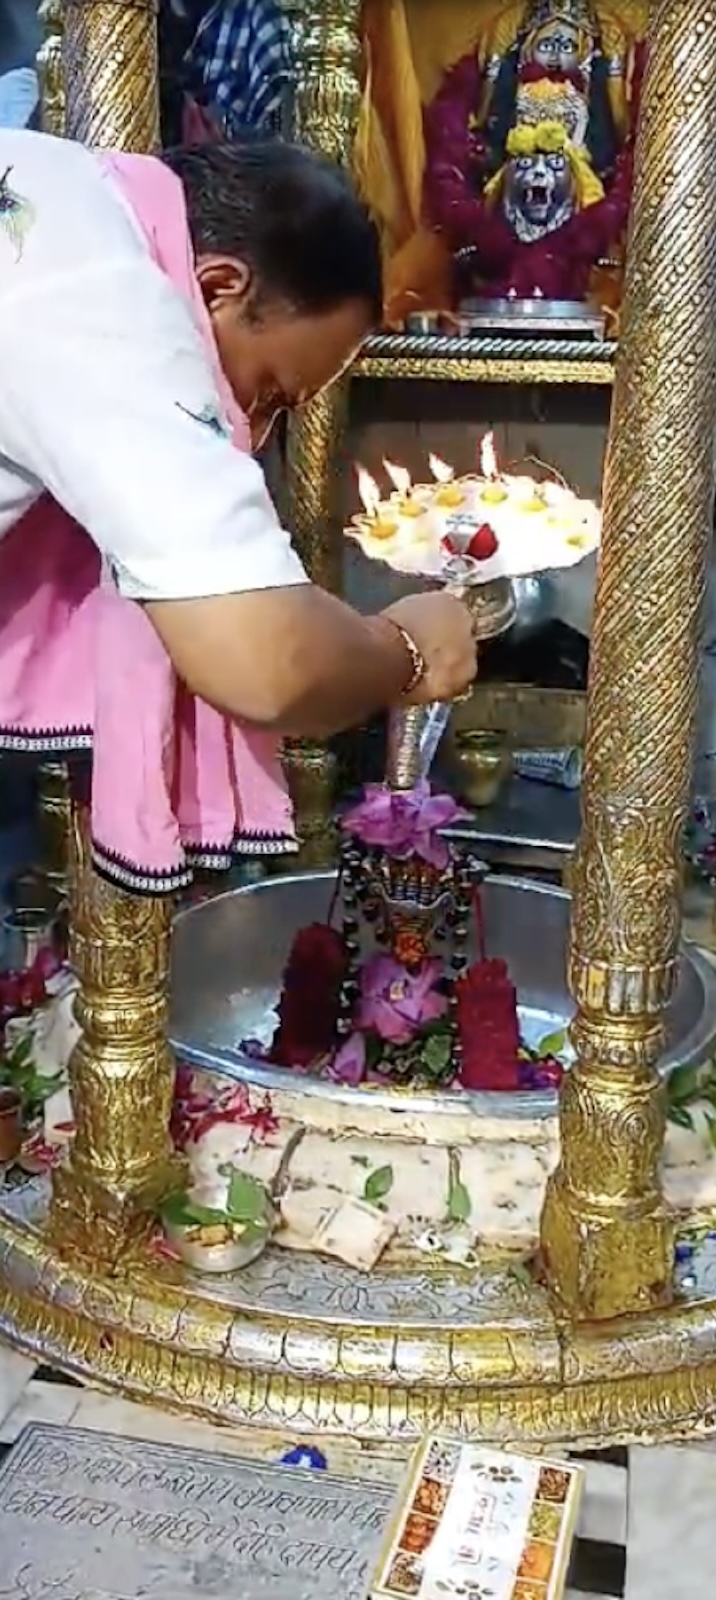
293, 216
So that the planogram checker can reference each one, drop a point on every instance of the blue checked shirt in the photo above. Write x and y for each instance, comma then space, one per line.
242, 56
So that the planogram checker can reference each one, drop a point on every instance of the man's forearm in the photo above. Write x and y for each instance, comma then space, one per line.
294, 660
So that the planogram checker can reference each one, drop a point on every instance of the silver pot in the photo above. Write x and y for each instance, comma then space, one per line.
214, 1258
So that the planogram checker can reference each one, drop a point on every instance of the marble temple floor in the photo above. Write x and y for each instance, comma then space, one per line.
645, 1530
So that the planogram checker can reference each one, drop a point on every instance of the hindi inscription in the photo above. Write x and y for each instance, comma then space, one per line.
88, 1516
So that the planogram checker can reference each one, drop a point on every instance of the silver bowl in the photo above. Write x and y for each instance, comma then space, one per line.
229, 955
214, 1258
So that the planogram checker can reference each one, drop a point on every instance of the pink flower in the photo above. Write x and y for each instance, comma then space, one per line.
348, 1064
396, 1004
404, 824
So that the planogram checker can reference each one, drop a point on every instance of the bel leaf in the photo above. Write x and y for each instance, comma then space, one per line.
179, 1211
553, 1043
436, 1052
251, 1232
683, 1085
459, 1202
378, 1184
680, 1116
247, 1200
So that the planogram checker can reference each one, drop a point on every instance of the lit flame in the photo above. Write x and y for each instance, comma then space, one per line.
368, 491
488, 458
441, 472
399, 477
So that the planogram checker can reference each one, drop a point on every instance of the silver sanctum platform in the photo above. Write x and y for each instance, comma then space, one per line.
88, 1516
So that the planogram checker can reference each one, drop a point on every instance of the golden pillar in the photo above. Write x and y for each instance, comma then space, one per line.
50, 68
121, 1073
326, 97
607, 1238
111, 73
54, 808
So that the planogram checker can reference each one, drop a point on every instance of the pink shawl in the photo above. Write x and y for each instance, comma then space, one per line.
174, 784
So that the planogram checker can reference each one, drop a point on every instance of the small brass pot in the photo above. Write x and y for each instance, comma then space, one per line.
10, 1125
479, 764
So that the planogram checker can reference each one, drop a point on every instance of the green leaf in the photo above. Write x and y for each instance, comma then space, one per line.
378, 1184
521, 1274
180, 1212
681, 1117
247, 1200
436, 1052
684, 1085
251, 1232
459, 1202
21, 1054
553, 1043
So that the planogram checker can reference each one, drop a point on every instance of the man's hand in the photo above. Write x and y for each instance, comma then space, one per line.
441, 627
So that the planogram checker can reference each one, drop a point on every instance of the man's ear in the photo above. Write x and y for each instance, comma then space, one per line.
224, 281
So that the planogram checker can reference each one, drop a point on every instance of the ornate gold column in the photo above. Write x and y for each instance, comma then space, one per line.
121, 1073
325, 109
607, 1239
51, 70
110, 62
55, 817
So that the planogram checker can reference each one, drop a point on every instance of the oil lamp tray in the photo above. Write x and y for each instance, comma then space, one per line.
229, 955
551, 318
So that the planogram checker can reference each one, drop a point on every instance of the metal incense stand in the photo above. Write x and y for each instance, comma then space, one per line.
414, 734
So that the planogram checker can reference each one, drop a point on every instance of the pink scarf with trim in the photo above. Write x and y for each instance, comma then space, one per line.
174, 784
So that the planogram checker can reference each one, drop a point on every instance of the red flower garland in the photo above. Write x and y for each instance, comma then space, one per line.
308, 1010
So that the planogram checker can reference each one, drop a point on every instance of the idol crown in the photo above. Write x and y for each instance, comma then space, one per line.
577, 12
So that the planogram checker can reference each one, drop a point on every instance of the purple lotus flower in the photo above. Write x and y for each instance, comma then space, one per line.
396, 1004
405, 824
348, 1064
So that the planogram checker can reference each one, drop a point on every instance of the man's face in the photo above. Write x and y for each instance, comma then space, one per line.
274, 358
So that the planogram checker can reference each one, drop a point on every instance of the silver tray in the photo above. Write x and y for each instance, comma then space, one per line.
549, 317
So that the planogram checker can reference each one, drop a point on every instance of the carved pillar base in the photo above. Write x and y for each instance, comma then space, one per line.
121, 1074
607, 1237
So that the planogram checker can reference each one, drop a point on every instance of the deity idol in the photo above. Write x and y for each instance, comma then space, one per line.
529, 153
448, 85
